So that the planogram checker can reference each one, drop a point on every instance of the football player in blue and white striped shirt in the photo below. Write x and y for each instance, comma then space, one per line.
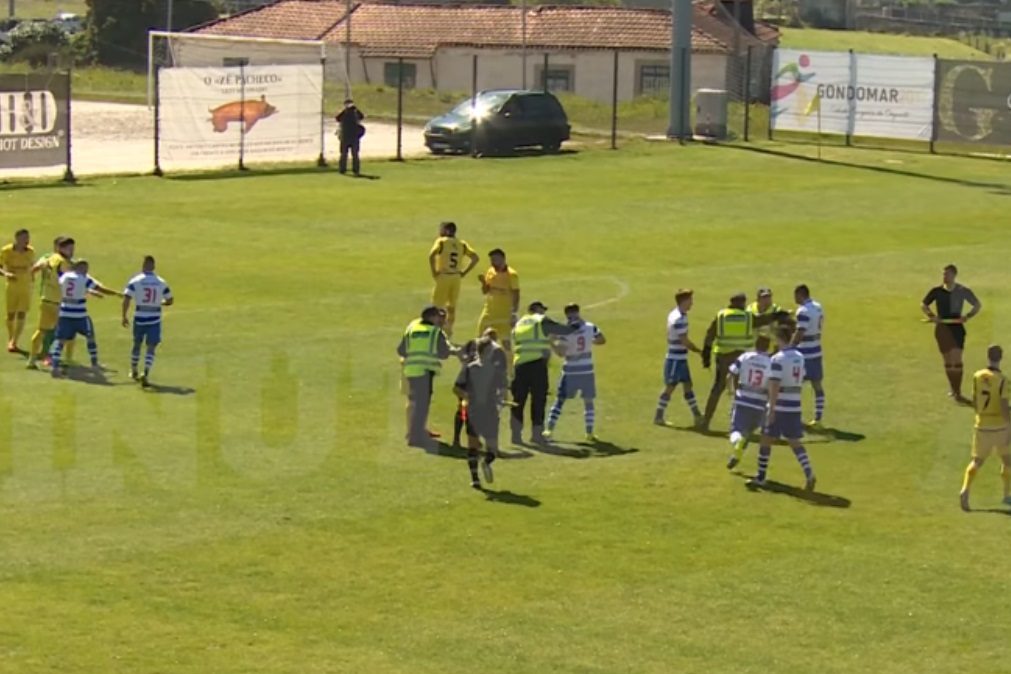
577, 371
749, 380
75, 286
149, 293
783, 418
810, 320
675, 365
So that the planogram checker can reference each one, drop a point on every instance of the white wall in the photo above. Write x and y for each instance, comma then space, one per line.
591, 71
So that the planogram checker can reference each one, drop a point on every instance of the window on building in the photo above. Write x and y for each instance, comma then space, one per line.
654, 80
391, 72
558, 79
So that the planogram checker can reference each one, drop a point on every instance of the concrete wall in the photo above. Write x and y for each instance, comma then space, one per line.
590, 72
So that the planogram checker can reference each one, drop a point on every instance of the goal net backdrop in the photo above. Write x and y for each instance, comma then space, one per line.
221, 100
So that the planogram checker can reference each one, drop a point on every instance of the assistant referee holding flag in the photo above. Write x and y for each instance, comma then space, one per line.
949, 324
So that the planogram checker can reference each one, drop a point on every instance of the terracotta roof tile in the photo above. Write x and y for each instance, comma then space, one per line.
417, 31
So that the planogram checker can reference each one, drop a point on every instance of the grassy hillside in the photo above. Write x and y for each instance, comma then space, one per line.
879, 43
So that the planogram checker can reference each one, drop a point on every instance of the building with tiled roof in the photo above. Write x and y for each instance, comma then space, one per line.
438, 43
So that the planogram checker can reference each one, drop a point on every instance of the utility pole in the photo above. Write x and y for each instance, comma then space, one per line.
680, 69
523, 48
168, 18
347, 50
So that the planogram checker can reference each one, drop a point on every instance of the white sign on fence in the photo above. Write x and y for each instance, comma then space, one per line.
855, 94
203, 112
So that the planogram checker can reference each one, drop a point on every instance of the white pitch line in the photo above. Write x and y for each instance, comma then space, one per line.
623, 290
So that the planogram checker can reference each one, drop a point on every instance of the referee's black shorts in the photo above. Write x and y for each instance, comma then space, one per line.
949, 336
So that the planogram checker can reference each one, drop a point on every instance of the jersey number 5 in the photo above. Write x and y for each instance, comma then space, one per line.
454, 260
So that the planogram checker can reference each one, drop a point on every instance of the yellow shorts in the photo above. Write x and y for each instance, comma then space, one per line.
987, 441
503, 326
49, 316
446, 291
19, 297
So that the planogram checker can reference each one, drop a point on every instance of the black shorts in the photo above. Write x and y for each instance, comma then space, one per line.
949, 337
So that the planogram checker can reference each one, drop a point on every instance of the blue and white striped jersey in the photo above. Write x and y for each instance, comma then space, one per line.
810, 319
677, 327
74, 294
787, 367
579, 349
752, 372
148, 291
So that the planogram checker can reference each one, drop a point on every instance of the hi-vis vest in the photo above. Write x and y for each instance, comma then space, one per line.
733, 331
765, 330
422, 349
529, 341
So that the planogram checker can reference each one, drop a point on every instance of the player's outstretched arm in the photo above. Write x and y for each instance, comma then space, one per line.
126, 310
689, 344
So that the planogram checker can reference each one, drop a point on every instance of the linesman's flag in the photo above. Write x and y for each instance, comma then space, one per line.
814, 105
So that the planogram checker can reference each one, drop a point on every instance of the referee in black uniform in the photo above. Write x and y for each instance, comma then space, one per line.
949, 324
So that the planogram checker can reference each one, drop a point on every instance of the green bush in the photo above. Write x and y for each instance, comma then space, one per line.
33, 42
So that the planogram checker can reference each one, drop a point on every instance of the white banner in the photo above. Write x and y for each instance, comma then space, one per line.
201, 113
855, 94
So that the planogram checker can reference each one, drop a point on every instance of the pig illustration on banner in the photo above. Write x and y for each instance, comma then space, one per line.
236, 111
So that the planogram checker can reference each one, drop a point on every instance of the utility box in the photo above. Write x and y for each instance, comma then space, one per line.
711, 114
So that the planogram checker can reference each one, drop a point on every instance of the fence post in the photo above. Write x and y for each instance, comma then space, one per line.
475, 122
68, 174
772, 83
935, 117
400, 108
685, 130
242, 115
544, 72
321, 162
157, 121
614, 104
851, 107
747, 94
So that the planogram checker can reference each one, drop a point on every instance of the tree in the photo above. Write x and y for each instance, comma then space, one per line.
117, 29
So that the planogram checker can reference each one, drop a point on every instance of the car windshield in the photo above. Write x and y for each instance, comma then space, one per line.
486, 104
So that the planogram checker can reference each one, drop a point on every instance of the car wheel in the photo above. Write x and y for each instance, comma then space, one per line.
438, 150
552, 147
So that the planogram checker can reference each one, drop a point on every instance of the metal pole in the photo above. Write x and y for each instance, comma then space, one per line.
242, 115
475, 122
523, 48
68, 175
347, 50
400, 108
10, 8
937, 97
168, 16
544, 72
772, 81
747, 94
851, 114
681, 43
321, 161
614, 104
157, 123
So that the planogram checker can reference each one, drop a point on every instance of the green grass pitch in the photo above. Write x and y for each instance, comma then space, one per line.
273, 521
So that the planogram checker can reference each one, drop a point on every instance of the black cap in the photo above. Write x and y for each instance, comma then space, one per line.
571, 306
429, 311
740, 296
537, 304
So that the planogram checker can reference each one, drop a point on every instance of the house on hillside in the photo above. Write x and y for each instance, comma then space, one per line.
566, 48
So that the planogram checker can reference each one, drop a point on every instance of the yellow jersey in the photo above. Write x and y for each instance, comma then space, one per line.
17, 262
55, 265
498, 301
989, 388
448, 251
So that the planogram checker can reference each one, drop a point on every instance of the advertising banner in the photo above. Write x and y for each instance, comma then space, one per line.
272, 112
974, 102
853, 94
34, 115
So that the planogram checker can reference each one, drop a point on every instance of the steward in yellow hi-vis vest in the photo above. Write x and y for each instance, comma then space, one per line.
730, 334
422, 349
531, 339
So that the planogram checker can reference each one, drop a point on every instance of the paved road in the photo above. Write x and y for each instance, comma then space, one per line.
116, 138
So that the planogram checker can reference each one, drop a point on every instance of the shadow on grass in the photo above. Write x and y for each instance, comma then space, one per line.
226, 173
991, 511
812, 497
707, 432
1001, 189
7, 185
169, 390
86, 375
584, 450
526, 152
510, 498
836, 434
